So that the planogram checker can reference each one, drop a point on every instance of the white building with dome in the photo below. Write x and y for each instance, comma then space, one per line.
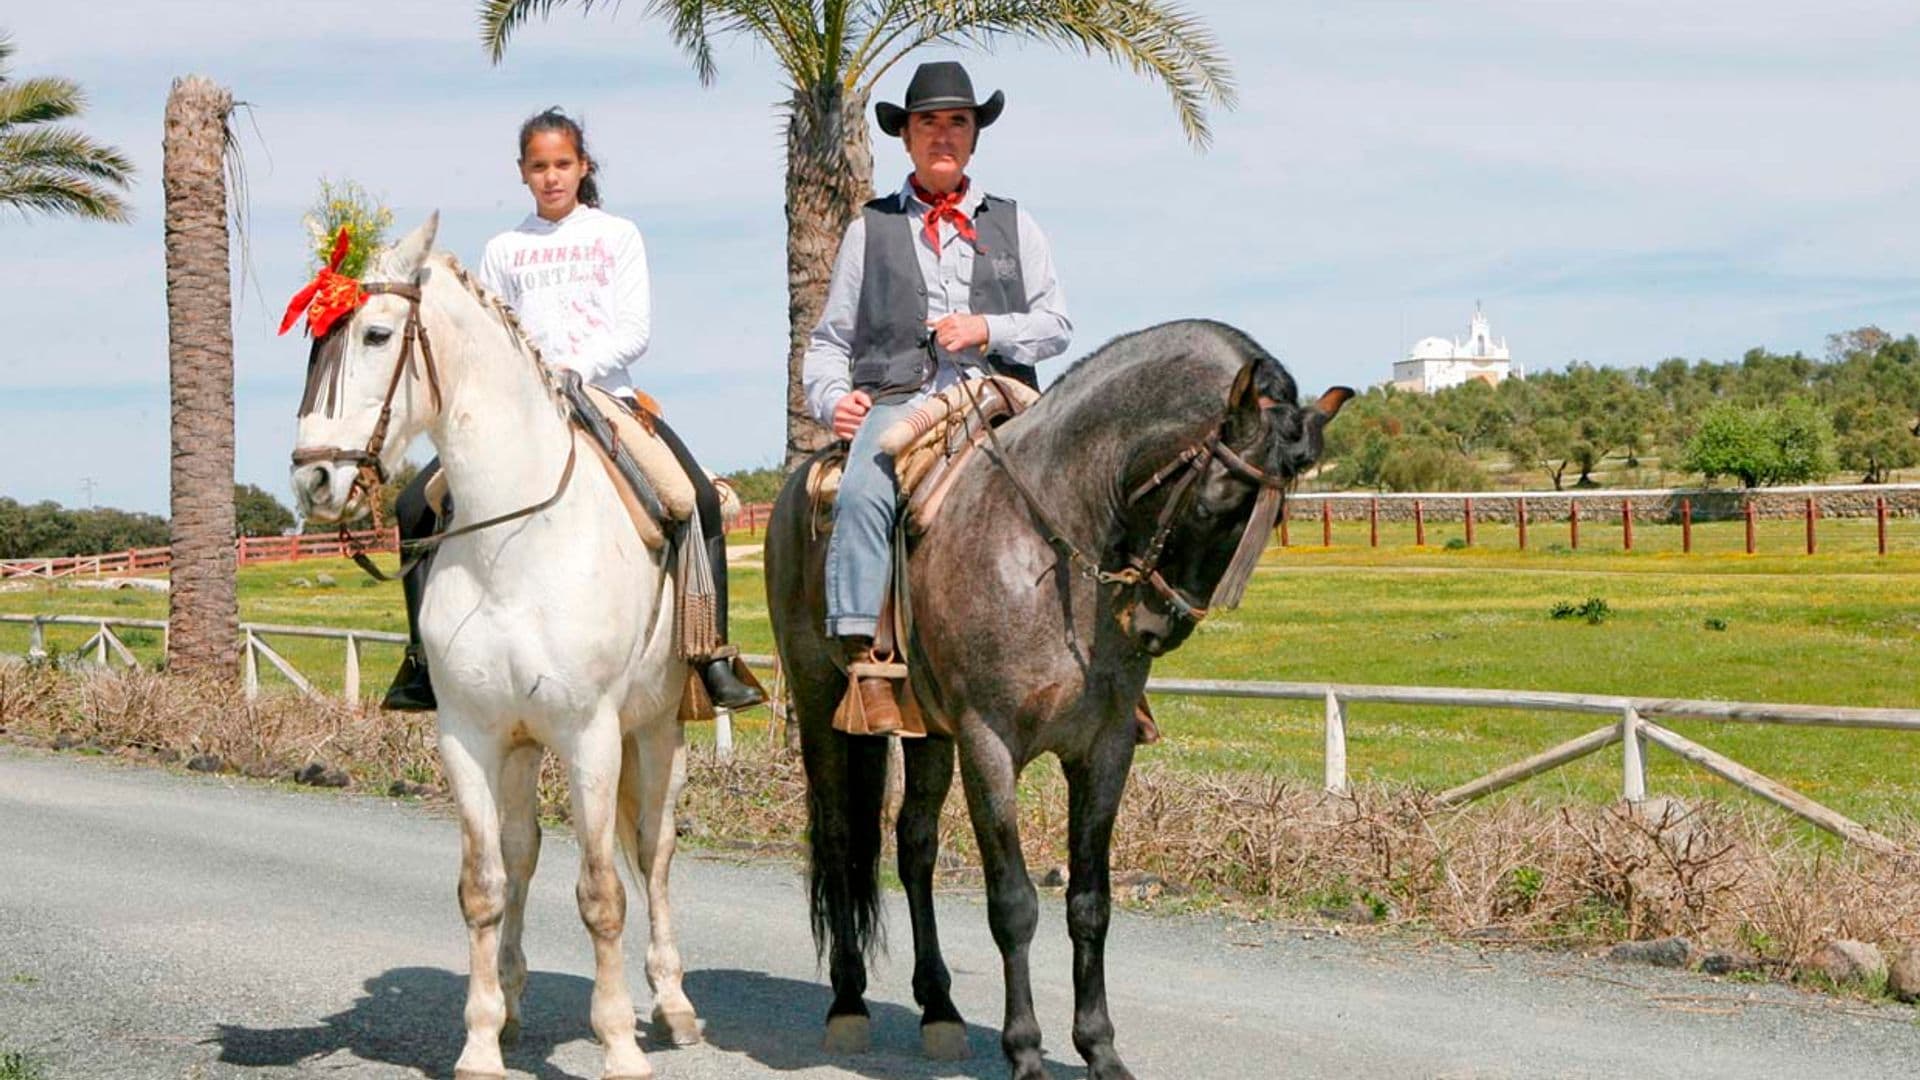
1436, 363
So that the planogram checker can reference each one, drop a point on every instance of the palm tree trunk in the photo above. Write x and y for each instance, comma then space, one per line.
204, 616
829, 177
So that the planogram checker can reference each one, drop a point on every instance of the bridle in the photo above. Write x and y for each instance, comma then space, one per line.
370, 472
1184, 473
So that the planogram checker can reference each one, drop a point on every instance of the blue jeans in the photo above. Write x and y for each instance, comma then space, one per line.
860, 551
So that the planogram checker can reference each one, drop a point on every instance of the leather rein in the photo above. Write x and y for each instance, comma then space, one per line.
1144, 568
370, 474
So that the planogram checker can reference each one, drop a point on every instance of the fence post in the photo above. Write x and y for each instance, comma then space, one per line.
1326, 523
100, 645
1573, 523
1336, 755
1286, 516
1686, 526
1633, 780
1749, 513
1880, 519
723, 734
1813, 514
1521, 517
252, 668
1626, 523
1373, 522
1468, 506
350, 682
1419, 524
37, 641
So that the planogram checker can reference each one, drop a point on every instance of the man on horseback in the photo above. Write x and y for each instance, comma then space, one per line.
934, 283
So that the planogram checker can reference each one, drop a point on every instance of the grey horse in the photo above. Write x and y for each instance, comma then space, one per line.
1085, 543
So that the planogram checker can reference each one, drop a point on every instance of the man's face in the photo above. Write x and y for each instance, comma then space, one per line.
941, 143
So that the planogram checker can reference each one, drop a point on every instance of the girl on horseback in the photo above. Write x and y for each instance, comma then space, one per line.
576, 278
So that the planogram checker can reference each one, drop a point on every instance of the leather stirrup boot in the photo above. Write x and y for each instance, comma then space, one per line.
728, 682
412, 690
871, 707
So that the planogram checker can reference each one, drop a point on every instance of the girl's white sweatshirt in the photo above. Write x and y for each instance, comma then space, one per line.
580, 288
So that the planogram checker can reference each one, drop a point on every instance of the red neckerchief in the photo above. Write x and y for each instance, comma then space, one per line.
944, 207
328, 296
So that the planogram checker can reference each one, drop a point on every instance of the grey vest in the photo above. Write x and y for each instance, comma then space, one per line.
891, 361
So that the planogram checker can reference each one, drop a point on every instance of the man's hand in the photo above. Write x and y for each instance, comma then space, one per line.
957, 332
848, 413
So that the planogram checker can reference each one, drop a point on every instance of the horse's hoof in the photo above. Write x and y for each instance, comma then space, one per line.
681, 1028
945, 1040
510, 1034
848, 1035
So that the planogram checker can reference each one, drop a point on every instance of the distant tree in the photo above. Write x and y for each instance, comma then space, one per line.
1873, 438
46, 530
256, 513
761, 485
50, 169
1790, 444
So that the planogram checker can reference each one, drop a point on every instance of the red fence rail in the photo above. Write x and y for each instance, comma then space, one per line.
248, 550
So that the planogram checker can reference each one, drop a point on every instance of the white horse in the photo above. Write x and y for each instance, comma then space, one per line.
553, 630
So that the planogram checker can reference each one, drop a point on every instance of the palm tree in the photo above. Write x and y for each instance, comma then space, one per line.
204, 615
835, 51
54, 170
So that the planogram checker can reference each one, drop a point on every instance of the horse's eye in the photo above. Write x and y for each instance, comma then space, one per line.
377, 336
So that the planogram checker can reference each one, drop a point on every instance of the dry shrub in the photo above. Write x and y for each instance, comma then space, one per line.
1739, 877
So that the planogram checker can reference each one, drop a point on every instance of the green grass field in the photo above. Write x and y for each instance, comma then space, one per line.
1837, 629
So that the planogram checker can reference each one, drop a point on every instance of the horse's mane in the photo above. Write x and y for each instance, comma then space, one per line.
1204, 343
504, 315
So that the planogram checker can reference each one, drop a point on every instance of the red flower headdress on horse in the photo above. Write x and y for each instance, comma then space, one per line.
329, 295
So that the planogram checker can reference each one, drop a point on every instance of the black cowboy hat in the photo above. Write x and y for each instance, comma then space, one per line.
943, 84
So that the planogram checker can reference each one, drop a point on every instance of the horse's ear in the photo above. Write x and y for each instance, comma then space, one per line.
1244, 397
411, 252
1329, 404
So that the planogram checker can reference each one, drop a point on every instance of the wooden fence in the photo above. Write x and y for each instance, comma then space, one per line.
248, 550
1631, 721
1599, 509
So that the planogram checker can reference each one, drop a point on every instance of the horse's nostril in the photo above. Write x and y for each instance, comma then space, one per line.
321, 480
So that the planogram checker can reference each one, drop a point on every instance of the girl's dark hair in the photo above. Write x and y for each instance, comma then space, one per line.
555, 119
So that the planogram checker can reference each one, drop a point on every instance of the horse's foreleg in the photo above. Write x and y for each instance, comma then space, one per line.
1013, 907
651, 782
520, 851
593, 767
929, 775
1094, 787
473, 768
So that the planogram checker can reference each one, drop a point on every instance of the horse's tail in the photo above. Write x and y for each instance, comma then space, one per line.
848, 779
846, 775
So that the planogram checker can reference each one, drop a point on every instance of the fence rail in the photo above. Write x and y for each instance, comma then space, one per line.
1631, 719
248, 550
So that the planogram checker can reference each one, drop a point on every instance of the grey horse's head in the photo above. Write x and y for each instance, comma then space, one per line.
1215, 528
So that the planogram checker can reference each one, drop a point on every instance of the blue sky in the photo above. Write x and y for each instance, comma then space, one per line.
1617, 182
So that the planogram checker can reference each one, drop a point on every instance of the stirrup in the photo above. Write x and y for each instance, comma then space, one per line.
412, 689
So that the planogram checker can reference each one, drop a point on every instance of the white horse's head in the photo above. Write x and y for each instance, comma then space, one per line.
369, 363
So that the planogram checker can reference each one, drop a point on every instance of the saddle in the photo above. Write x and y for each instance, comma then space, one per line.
929, 446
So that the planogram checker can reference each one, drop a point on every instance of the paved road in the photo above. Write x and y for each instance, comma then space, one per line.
160, 925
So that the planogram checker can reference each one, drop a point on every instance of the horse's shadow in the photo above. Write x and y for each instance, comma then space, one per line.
778, 1023
410, 1017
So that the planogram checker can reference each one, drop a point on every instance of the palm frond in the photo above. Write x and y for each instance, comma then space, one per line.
6, 53
39, 101
62, 149
42, 191
500, 18
1155, 38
